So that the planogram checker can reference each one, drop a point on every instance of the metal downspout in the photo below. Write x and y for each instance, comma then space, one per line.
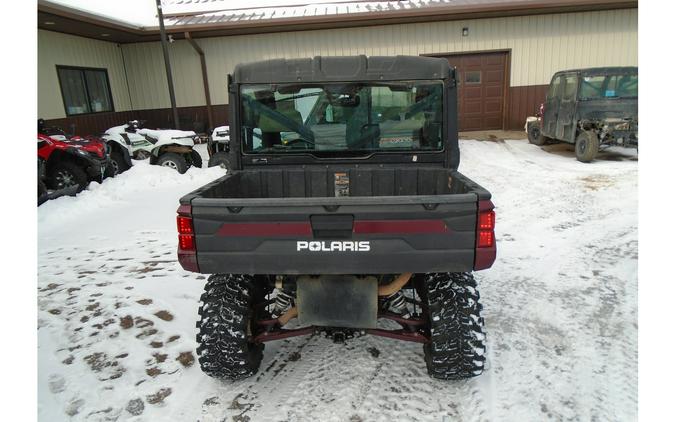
205, 78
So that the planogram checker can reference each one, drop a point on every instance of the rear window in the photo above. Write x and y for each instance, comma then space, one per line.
608, 86
381, 116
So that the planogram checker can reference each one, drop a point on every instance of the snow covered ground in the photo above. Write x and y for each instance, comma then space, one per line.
116, 313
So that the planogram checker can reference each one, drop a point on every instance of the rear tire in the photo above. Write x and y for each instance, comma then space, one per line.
220, 159
224, 328
174, 161
196, 159
67, 173
118, 164
586, 146
457, 347
534, 134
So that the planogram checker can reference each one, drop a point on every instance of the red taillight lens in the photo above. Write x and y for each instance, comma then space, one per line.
186, 242
187, 250
184, 225
486, 248
485, 226
486, 239
486, 220
186, 234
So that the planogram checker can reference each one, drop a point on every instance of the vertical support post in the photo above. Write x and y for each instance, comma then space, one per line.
205, 78
167, 64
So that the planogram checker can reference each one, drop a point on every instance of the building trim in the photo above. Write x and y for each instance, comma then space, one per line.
362, 19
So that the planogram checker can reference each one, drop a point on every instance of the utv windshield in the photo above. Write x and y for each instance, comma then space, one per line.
347, 117
608, 86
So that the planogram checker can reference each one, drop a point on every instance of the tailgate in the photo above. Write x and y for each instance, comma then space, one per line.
350, 235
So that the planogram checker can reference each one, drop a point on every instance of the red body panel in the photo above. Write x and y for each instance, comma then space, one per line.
89, 144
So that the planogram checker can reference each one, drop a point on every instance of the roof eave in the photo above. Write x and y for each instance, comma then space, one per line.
244, 27
445, 12
81, 15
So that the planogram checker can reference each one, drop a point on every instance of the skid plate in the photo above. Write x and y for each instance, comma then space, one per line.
337, 301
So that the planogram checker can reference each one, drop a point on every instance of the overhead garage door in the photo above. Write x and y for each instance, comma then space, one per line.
482, 82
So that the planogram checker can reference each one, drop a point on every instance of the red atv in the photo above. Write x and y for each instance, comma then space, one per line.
71, 161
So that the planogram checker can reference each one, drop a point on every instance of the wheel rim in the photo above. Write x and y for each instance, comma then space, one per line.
64, 179
582, 145
170, 164
535, 132
116, 168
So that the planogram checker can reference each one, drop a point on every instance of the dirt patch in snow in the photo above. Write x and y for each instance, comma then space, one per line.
596, 181
127, 322
50, 286
147, 333
100, 363
186, 359
153, 372
143, 323
93, 306
159, 396
164, 315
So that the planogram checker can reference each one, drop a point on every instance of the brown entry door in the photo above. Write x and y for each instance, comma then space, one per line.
482, 81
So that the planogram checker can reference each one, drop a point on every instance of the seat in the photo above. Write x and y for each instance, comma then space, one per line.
330, 136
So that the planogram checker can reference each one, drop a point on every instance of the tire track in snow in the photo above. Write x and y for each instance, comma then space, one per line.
253, 397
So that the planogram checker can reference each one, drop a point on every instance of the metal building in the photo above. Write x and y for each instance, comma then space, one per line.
505, 50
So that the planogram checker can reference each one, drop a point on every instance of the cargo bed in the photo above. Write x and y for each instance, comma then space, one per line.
316, 220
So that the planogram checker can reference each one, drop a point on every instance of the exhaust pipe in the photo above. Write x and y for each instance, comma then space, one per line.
394, 286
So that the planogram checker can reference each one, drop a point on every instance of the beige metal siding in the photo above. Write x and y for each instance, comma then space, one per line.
60, 49
147, 75
540, 45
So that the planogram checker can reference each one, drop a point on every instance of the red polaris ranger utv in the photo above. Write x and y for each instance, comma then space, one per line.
342, 207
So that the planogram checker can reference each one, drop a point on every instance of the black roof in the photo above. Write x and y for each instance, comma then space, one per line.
342, 69
614, 70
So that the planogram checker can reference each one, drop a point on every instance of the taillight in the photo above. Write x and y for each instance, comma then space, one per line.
187, 251
485, 235
486, 220
186, 236
486, 239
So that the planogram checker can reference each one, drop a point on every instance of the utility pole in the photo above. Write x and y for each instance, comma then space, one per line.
167, 63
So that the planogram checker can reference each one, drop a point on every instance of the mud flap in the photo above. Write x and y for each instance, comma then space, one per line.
337, 301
